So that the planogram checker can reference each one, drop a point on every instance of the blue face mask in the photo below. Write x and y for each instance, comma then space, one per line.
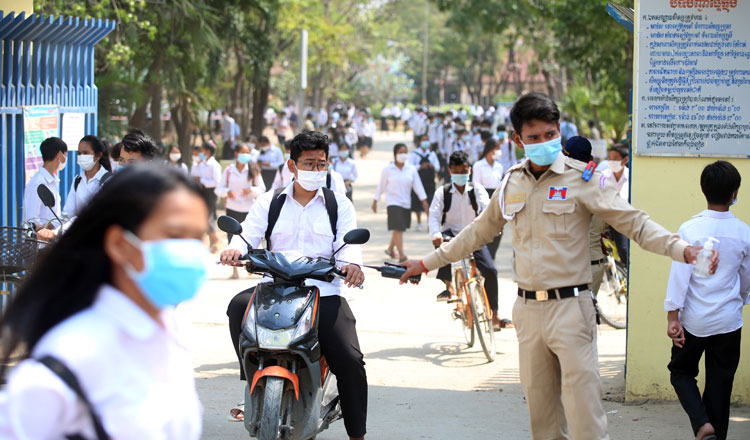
173, 269
288, 156
733, 201
202, 156
545, 153
244, 158
343, 154
460, 179
425, 145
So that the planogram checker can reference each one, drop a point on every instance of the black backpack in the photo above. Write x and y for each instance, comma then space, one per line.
448, 198
104, 178
277, 202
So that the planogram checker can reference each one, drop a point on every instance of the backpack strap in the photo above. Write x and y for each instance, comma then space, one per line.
328, 180
104, 178
67, 376
76, 182
277, 202
473, 200
332, 207
447, 199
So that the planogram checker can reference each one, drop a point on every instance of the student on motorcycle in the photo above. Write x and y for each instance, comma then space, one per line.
303, 228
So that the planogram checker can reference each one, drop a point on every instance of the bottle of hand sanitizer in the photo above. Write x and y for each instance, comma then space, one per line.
703, 261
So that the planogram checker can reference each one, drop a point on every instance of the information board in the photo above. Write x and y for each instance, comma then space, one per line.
73, 128
692, 87
39, 123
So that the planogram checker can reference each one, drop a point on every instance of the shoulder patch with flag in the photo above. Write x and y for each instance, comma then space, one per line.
558, 193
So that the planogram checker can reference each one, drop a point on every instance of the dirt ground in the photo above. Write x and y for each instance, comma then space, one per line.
424, 383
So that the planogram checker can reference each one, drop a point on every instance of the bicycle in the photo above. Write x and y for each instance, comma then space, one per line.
472, 306
612, 296
19, 250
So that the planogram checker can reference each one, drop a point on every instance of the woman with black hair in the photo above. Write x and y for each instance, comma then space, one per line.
93, 158
208, 173
241, 184
100, 303
397, 181
175, 159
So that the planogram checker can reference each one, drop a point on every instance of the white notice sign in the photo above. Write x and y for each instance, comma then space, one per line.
692, 87
73, 129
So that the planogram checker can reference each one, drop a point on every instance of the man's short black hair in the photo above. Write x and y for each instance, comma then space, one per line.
458, 158
719, 181
621, 149
210, 147
139, 142
485, 135
51, 146
533, 106
308, 141
264, 140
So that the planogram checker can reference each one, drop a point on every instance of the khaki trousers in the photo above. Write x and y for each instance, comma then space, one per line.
559, 368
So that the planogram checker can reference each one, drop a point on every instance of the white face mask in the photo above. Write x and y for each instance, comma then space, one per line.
615, 165
86, 161
174, 157
61, 166
497, 154
311, 180
401, 157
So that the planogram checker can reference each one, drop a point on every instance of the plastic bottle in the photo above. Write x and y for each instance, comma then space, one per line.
703, 261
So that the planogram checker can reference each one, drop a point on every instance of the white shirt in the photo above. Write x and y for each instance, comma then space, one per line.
417, 155
467, 148
130, 368
347, 168
337, 182
508, 158
227, 129
713, 305
77, 198
622, 184
351, 137
303, 231
322, 118
237, 181
208, 172
283, 178
489, 176
368, 128
460, 214
180, 166
397, 185
33, 208
274, 156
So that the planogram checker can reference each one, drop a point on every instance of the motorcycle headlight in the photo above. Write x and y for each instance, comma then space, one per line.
274, 339
248, 327
304, 325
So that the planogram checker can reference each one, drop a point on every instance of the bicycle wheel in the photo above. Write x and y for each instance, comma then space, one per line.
612, 298
480, 309
462, 307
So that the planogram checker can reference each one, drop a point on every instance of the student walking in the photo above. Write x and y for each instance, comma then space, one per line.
397, 181
175, 159
208, 173
427, 164
704, 314
345, 166
488, 172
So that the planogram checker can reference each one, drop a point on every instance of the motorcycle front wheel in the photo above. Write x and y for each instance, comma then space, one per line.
270, 421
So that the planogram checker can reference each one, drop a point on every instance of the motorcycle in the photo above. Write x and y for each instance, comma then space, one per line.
290, 393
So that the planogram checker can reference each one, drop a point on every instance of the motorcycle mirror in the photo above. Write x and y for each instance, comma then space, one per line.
229, 225
357, 236
46, 196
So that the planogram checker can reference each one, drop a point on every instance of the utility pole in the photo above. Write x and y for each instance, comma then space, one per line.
424, 50
302, 80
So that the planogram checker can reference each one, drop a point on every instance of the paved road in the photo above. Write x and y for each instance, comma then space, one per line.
424, 382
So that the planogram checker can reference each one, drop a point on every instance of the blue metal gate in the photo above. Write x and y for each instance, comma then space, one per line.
43, 61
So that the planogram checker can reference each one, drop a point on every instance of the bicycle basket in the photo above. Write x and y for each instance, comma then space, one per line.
18, 252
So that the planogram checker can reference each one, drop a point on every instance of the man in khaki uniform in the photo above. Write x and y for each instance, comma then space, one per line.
550, 206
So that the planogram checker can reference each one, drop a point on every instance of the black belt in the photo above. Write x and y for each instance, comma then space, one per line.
544, 295
599, 261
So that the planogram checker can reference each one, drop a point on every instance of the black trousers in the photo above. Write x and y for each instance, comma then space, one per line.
211, 198
722, 355
268, 177
485, 266
337, 334
239, 216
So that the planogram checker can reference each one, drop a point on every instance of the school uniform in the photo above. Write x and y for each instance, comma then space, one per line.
78, 198
129, 366
623, 187
490, 177
426, 175
306, 231
282, 178
508, 158
180, 166
33, 208
459, 216
237, 182
348, 170
711, 316
275, 158
208, 173
397, 185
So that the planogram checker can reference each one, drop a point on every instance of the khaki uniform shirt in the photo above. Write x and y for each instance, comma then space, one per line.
551, 218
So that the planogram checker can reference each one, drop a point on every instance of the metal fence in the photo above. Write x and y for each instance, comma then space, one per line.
44, 60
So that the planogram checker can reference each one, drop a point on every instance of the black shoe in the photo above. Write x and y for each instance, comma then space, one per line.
445, 295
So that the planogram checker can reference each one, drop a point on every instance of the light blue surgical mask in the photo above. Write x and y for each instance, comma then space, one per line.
343, 154
544, 153
288, 156
202, 156
173, 269
424, 144
244, 158
733, 201
460, 179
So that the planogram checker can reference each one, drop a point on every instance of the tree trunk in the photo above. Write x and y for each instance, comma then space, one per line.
138, 119
182, 119
260, 102
155, 91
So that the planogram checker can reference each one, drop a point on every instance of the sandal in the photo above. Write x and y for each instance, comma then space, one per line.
237, 414
390, 253
402, 259
507, 323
